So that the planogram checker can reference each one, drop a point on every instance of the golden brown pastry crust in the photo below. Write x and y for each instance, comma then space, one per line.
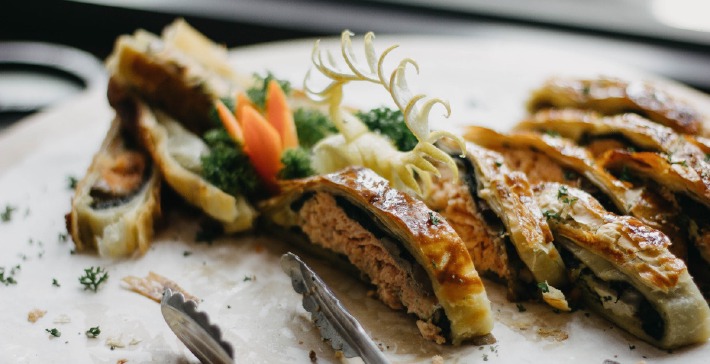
622, 248
614, 96
432, 242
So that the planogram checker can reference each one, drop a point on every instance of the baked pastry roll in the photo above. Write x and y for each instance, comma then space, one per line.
614, 96
181, 72
177, 154
654, 208
118, 199
494, 212
410, 253
624, 269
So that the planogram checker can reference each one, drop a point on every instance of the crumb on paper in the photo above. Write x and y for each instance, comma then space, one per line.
312, 356
153, 285
437, 359
121, 361
555, 298
35, 315
62, 319
556, 334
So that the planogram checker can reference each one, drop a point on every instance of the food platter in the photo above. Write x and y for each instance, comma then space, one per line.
238, 277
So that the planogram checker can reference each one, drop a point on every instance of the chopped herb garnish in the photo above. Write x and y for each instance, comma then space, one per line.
498, 164
682, 163
10, 278
249, 278
485, 357
390, 123
71, 182
257, 94
520, 307
93, 332
707, 157
549, 214
54, 332
62, 237
543, 287
433, 264
632, 347
186, 253
561, 192
6, 215
297, 164
55, 282
93, 277
552, 133
433, 219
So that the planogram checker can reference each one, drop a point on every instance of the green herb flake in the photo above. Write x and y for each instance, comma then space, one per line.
6, 215
249, 278
520, 307
433, 219
93, 277
55, 282
561, 192
93, 332
485, 357
186, 253
8, 278
433, 264
632, 347
62, 237
543, 287
390, 123
552, 133
498, 164
72, 182
296, 164
54, 332
551, 215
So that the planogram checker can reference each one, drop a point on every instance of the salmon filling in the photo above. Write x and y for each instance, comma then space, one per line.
400, 283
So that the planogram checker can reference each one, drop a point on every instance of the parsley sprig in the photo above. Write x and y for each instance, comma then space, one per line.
93, 277
6, 215
93, 332
54, 332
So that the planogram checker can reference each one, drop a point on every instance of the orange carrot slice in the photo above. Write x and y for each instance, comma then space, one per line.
242, 101
229, 121
263, 146
280, 116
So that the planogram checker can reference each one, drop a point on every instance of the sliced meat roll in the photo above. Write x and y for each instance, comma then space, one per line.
613, 96
409, 252
177, 153
494, 212
117, 200
624, 269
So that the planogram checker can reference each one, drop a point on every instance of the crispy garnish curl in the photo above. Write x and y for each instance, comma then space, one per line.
356, 144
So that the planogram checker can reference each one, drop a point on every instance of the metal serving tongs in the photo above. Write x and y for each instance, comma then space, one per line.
194, 329
335, 323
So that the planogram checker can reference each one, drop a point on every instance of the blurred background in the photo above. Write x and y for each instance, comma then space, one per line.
666, 37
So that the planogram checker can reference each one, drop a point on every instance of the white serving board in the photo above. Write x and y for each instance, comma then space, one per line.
485, 82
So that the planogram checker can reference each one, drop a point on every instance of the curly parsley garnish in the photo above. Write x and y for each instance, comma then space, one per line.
227, 166
549, 214
72, 182
543, 287
93, 332
54, 332
6, 215
297, 164
433, 219
93, 277
55, 282
312, 126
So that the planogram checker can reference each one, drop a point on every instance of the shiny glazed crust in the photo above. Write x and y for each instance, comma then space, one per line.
510, 196
434, 244
614, 96
623, 248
